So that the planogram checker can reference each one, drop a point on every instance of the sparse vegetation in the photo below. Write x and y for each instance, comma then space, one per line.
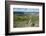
19, 19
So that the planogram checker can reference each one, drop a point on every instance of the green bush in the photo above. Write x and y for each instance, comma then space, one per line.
20, 18
34, 18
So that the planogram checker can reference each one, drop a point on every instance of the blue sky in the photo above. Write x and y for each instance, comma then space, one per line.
26, 9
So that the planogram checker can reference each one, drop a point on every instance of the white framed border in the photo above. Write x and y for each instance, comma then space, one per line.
25, 29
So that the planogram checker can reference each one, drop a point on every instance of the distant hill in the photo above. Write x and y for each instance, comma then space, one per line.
18, 12
21, 13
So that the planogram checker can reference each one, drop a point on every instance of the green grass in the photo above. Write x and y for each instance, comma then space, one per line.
21, 18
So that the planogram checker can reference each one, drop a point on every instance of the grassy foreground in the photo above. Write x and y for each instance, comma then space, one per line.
22, 20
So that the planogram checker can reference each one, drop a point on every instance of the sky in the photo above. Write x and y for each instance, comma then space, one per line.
26, 9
